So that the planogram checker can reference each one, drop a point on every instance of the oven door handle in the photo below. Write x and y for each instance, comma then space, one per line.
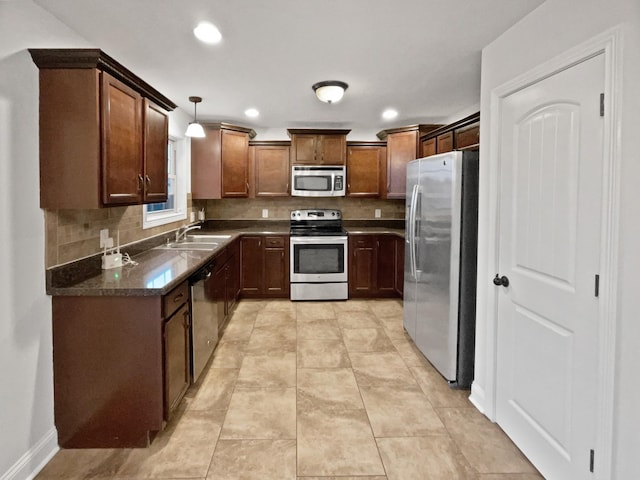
328, 240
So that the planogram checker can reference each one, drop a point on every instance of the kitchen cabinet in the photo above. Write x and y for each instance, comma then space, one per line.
402, 147
366, 168
270, 171
177, 353
444, 142
428, 147
220, 162
461, 135
374, 265
318, 147
103, 132
120, 366
226, 283
265, 266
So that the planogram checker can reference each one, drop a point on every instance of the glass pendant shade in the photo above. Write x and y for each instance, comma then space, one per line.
330, 91
195, 129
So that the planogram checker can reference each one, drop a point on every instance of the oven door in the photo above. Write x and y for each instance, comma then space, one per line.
319, 259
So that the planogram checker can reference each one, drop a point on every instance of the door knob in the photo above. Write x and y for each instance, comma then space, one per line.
498, 280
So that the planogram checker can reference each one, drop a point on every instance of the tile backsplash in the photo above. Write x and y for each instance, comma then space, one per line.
75, 234
279, 208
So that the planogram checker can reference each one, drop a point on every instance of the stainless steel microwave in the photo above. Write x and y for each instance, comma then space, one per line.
318, 180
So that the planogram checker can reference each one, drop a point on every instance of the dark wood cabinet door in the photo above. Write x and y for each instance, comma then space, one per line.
235, 164
122, 168
401, 149
386, 265
233, 279
364, 164
205, 165
303, 149
428, 147
444, 142
400, 266
251, 265
156, 139
176, 345
332, 149
468, 137
276, 266
271, 167
362, 265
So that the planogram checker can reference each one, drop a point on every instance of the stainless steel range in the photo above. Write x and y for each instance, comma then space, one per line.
318, 255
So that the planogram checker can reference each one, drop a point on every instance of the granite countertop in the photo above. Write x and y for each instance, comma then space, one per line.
159, 270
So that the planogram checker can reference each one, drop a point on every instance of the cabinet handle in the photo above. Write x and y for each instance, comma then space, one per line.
247, 184
140, 182
186, 319
177, 297
147, 179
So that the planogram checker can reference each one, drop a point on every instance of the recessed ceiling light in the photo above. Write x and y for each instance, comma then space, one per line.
207, 32
251, 112
389, 114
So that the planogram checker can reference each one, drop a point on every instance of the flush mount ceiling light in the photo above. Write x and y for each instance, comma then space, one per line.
330, 91
251, 112
207, 32
195, 129
389, 114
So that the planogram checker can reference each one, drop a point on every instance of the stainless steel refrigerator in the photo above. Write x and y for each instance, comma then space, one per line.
440, 261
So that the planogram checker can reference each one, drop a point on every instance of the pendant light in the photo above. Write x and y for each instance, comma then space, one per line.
330, 91
195, 129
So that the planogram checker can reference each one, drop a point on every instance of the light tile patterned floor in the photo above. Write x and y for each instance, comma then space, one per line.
314, 391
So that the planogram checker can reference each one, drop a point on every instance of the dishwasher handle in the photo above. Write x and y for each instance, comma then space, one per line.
203, 274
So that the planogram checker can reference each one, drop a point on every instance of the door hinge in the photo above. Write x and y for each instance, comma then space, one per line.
592, 455
602, 104
597, 286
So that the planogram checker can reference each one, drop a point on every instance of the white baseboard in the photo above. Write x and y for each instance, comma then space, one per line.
477, 397
34, 459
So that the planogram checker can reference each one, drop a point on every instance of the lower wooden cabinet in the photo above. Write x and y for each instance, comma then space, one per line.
400, 266
265, 266
374, 264
177, 354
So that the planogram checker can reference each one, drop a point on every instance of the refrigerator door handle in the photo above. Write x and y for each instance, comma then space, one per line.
412, 234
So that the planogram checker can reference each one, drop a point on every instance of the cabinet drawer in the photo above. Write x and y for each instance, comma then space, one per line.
174, 299
274, 242
362, 241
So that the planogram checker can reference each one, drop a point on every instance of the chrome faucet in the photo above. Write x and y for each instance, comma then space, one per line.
181, 233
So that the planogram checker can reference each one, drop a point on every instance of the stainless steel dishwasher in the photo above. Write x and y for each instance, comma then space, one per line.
204, 318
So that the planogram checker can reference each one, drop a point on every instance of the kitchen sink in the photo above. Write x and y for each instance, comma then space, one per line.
196, 242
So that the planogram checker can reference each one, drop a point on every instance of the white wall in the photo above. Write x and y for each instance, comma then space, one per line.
553, 28
27, 434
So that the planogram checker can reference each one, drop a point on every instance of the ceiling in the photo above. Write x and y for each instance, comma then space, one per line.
420, 57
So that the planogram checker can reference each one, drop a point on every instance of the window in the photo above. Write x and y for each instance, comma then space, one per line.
175, 208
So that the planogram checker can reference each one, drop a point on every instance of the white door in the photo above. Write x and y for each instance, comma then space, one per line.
551, 157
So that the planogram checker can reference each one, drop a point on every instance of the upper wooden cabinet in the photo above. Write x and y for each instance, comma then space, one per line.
220, 162
402, 147
269, 169
366, 167
103, 132
318, 147
461, 135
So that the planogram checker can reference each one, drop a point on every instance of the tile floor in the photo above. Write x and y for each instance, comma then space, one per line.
314, 390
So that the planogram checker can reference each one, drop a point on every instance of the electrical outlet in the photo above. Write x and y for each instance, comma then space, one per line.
377, 213
104, 235
265, 213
